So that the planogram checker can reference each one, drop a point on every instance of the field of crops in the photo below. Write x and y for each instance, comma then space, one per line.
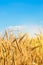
21, 50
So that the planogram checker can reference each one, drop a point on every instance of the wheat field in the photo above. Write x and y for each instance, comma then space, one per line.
21, 50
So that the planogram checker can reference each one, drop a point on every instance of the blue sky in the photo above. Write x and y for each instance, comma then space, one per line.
21, 12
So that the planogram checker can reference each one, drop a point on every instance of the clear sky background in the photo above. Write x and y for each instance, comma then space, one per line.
21, 12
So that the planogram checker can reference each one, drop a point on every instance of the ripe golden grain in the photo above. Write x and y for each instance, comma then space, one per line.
22, 50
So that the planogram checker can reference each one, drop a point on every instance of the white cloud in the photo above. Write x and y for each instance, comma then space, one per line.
31, 29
